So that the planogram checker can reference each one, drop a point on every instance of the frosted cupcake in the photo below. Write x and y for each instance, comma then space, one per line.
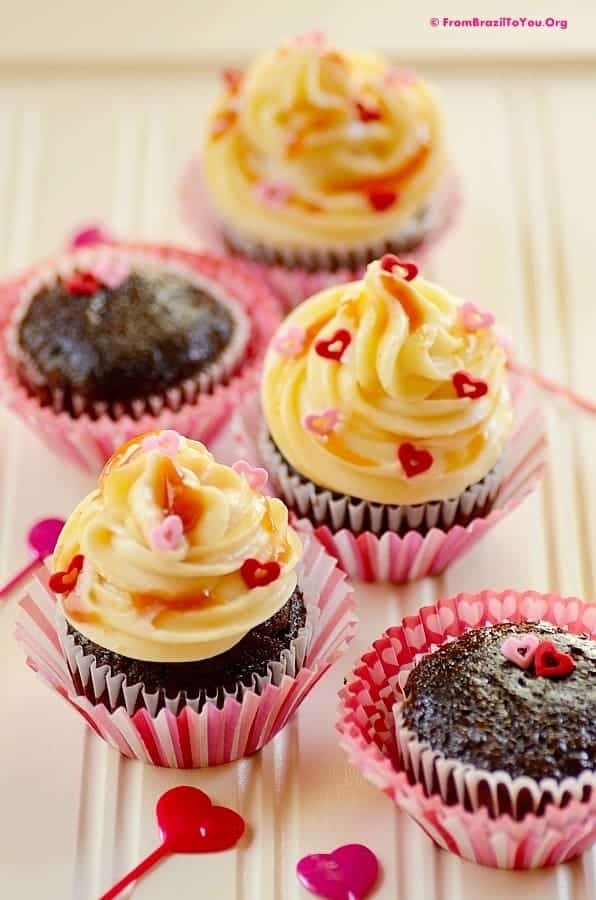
387, 407
178, 581
317, 161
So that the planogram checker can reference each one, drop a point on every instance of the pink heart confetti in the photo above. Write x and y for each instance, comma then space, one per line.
257, 478
520, 650
323, 422
473, 318
111, 272
348, 873
272, 193
290, 343
168, 535
166, 442
89, 235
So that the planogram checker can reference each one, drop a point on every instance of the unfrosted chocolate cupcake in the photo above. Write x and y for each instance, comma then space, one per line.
113, 333
178, 581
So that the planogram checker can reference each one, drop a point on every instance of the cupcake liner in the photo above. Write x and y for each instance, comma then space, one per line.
197, 409
295, 275
100, 685
366, 725
396, 559
218, 733
320, 506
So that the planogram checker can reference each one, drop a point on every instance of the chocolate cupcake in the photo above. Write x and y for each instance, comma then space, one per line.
116, 334
178, 582
513, 702
386, 406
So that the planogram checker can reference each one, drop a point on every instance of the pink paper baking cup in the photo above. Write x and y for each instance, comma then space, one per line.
89, 442
367, 729
398, 560
214, 735
294, 284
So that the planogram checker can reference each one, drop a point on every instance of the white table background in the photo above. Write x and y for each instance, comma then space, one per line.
100, 106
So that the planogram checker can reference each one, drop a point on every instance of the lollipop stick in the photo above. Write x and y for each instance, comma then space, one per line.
16, 579
143, 866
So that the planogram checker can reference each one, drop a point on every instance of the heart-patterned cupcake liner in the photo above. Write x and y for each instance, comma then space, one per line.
556, 831
389, 557
223, 728
198, 408
295, 275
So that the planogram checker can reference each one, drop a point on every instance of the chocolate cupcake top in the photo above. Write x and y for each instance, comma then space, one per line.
106, 330
174, 557
518, 698
388, 389
312, 145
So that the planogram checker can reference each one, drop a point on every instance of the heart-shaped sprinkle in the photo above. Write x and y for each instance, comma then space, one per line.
168, 535
64, 582
323, 422
257, 478
413, 460
259, 574
467, 386
395, 266
347, 873
473, 318
520, 650
82, 284
111, 272
232, 79
550, 662
381, 198
166, 442
290, 342
89, 236
336, 346
367, 113
272, 193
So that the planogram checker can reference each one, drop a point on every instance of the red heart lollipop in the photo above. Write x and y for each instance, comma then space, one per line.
188, 823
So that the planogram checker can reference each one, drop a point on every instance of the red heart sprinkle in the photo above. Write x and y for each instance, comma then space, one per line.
258, 574
232, 79
467, 386
82, 284
64, 582
414, 461
381, 198
390, 262
367, 113
336, 346
550, 662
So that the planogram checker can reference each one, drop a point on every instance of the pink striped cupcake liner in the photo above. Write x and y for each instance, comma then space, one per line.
218, 733
558, 831
293, 284
197, 411
395, 559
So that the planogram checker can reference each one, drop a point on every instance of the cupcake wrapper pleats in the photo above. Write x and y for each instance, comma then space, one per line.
216, 734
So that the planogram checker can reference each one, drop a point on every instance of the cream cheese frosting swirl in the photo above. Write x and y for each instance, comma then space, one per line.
165, 540
312, 145
388, 390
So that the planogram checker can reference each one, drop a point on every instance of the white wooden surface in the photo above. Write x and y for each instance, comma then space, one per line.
108, 140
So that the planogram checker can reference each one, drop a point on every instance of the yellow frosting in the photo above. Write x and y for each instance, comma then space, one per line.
187, 603
294, 121
392, 386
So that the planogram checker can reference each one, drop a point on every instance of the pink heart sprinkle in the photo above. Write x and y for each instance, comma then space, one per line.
323, 422
257, 478
520, 650
89, 235
272, 193
473, 318
166, 442
111, 272
168, 534
348, 873
290, 343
